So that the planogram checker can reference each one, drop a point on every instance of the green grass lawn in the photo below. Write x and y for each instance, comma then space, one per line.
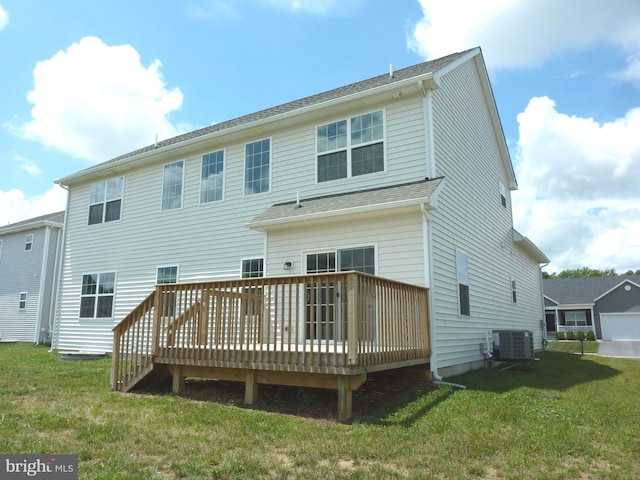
564, 416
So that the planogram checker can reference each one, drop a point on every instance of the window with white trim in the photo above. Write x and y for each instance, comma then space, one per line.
462, 263
96, 298
22, 304
28, 242
349, 148
212, 177
252, 267
172, 181
514, 296
577, 318
105, 201
257, 166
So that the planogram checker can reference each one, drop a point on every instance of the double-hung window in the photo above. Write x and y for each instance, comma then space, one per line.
212, 176
96, 299
105, 201
172, 181
28, 242
257, 167
22, 305
349, 148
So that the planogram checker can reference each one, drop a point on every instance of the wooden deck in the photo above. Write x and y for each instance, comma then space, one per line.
320, 330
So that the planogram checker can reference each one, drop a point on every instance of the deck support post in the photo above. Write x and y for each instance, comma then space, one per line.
177, 386
250, 388
344, 398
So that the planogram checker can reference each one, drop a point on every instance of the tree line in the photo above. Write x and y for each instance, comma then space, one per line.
587, 272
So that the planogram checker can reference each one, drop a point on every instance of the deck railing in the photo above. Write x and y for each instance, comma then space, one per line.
339, 323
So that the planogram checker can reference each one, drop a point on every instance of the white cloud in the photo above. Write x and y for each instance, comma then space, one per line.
95, 101
522, 33
579, 195
27, 165
4, 18
15, 207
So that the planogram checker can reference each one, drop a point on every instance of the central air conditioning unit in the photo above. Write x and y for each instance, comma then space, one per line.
513, 345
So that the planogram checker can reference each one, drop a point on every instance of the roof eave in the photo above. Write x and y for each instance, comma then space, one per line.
528, 246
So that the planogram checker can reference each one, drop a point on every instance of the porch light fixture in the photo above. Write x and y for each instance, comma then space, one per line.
287, 265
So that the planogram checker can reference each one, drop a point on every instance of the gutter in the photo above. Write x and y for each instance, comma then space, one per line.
433, 362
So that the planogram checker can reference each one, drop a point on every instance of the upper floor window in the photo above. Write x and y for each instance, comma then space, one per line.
22, 305
105, 201
211, 179
257, 167
351, 148
28, 242
96, 299
252, 267
172, 180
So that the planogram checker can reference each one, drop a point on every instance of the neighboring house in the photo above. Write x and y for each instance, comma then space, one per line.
29, 253
608, 306
405, 176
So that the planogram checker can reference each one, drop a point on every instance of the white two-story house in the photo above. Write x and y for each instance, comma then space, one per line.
404, 176
29, 264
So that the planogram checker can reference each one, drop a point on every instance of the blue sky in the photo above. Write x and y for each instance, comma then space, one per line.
86, 81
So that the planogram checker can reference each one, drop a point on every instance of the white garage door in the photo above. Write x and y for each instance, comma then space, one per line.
620, 326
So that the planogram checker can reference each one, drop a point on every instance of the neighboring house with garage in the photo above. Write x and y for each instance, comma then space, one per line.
608, 306
404, 176
29, 254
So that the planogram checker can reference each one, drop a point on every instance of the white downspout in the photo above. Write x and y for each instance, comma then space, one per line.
43, 278
55, 333
426, 227
56, 284
433, 363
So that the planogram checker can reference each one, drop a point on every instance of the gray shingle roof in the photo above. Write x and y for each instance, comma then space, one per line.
381, 80
571, 291
385, 197
57, 217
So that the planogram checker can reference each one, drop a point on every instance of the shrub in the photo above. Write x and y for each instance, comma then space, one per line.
571, 335
580, 335
560, 335
591, 336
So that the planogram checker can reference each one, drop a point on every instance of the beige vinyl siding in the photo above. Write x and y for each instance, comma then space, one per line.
396, 235
207, 241
470, 217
